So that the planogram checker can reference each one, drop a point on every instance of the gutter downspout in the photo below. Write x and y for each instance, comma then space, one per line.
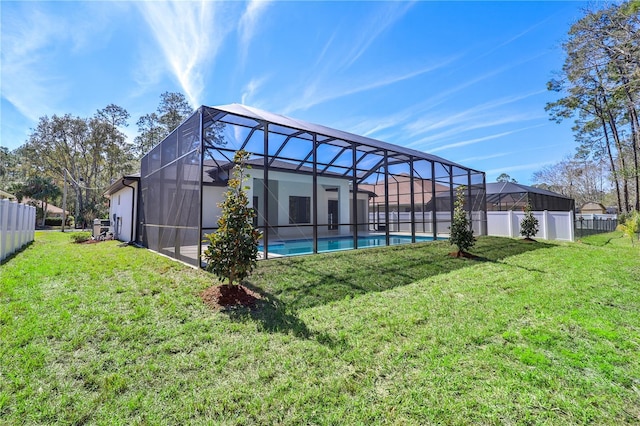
133, 207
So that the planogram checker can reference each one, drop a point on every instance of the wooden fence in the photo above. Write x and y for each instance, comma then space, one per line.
17, 227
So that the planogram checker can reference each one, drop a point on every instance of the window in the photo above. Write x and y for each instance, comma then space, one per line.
299, 209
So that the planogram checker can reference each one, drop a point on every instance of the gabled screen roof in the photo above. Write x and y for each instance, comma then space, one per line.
511, 187
258, 114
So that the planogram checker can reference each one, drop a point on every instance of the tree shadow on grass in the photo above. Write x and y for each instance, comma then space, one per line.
271, 315
601, 239
306, 281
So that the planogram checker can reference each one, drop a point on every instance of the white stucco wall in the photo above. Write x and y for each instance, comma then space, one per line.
121, 204
284, 185
211, 196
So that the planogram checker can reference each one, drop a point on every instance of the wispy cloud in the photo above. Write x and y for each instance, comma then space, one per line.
325, 49
472, 141
504, 154
415, 119
482, 122
250, 89
190, 35
378, 23
484, 157
319, 91
248, 24
324, 85
482, 139
30, 42
520, 167
431, 123
516, 37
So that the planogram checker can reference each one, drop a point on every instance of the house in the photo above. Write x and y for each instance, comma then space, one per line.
593, 208
123, 207
313, 187
52, 211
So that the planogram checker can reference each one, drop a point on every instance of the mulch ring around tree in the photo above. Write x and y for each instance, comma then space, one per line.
90, 241
529, 240
463, 254
224, 296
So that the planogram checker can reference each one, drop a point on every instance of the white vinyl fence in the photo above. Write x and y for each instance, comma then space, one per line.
17, 226
551, 225
401, 222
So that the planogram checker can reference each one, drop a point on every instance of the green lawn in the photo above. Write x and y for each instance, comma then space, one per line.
542, 333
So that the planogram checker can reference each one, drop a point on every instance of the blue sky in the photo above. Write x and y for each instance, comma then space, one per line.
462, 80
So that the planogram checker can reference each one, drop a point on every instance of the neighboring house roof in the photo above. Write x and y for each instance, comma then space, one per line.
593, 206
277, 119
7, 195
51, 209
120, 183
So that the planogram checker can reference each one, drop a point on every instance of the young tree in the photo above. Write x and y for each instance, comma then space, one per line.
631, 226
461, 232
529, 225
233, 248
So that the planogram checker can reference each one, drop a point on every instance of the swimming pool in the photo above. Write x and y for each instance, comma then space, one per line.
294, 247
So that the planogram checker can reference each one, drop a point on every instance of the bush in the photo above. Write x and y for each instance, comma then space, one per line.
53, 221
631, 225
80, 237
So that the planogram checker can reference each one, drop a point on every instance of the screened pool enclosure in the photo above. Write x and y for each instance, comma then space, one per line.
314, 188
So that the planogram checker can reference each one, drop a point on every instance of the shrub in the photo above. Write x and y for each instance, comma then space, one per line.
631, 225
80, 237
529, 225
53, 221
461, 233
233, 248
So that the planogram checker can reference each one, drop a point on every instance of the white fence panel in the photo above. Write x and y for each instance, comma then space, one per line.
17, 227
499, 224
551, 225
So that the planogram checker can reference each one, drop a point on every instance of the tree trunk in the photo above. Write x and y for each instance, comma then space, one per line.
44, 212
612, 163
636, 167
618, 142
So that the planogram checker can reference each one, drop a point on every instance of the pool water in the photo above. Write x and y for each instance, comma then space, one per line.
293, 247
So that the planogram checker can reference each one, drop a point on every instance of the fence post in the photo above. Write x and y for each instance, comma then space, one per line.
4, 228
20, 226
27, 225
510, 222
33, 221
572, 230
13, 225
21, 210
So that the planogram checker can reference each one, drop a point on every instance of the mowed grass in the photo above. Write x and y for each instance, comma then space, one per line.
541, 333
